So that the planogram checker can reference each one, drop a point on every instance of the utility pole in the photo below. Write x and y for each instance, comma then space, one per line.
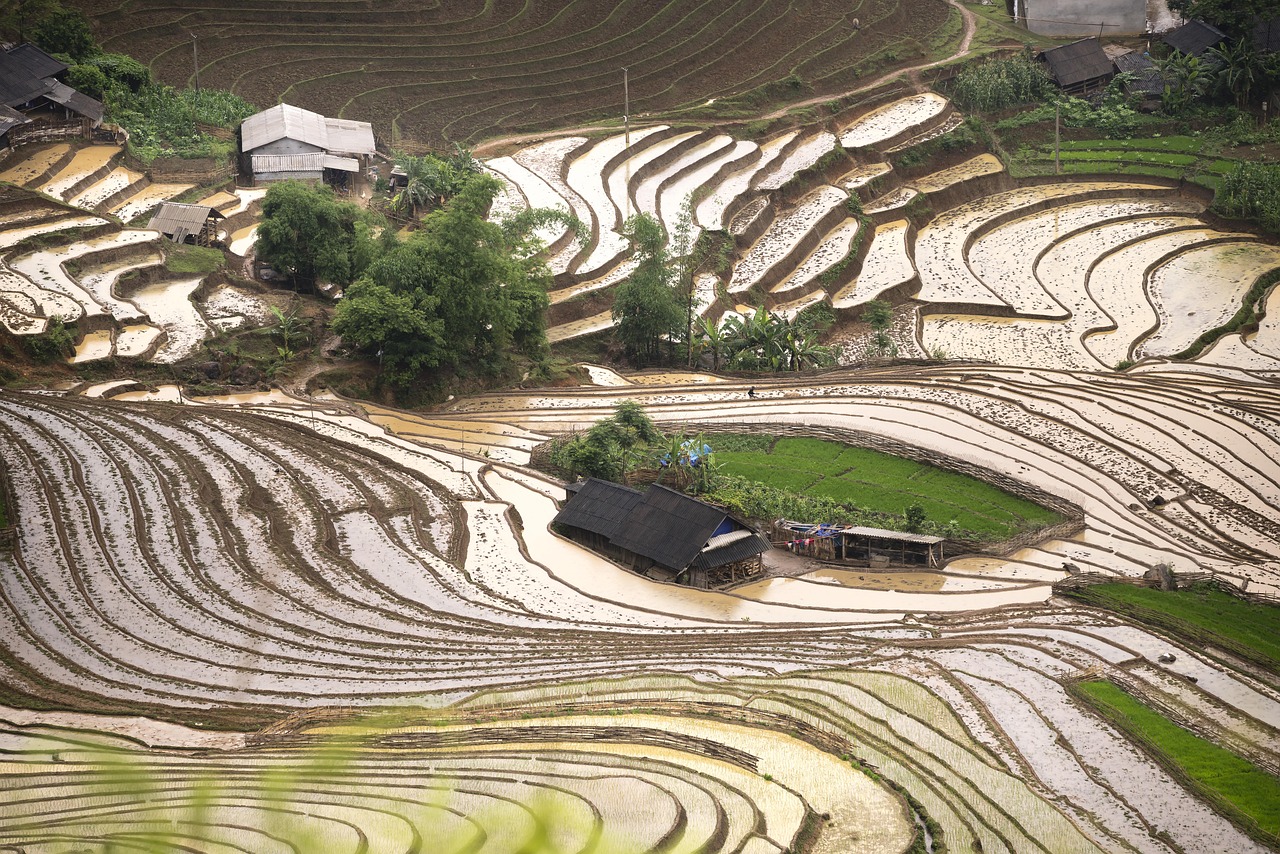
195, 59
626, 124
1057, 139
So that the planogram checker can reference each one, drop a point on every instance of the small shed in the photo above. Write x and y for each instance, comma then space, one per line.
186, 223
863, 546
662, 533
1194, 38
9, 119
1080, 67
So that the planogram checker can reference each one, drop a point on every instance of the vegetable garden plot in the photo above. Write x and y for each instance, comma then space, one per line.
892, 119
1201, 289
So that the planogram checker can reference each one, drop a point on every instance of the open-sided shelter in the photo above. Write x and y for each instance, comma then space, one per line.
859, 544
662, 533
186, 223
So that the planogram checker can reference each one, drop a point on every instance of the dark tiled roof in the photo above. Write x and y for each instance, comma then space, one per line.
1266, 35
599, 506
1145, 76
26, 73
1194, 37
669, 527
1078, 62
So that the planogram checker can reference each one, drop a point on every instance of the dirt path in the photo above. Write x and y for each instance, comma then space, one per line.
970, 28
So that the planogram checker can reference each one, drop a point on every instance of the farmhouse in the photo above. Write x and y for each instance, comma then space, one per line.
186, 223
661, 533
875, 547
1079, 67
1194, 38
1079, 17
287, 142
29, 87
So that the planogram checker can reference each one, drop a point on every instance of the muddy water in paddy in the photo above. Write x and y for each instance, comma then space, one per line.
242, 240
163, 394
94, 346
169, 305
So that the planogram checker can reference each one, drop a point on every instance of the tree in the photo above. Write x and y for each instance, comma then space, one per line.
646, 306
1185, 78
1238, 68
878, 314
19, 17
1235, 17
710, 337
613, 445
310, 236
65, 31
457, 293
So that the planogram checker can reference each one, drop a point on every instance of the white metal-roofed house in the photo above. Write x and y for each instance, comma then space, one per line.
286, 142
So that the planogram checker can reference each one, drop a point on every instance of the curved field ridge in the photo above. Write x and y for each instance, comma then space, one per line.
435, 73
214, 560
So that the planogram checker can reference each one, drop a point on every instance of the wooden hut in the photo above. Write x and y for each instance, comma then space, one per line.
661, 533
1080, 67
180, 223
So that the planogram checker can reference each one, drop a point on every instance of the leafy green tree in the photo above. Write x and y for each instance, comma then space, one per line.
646, 306
88, 79
1186, 78
310, 236
1239, 67
65, 31
878, 314
459, 292
1235, 17
710, 338
18, 18
612, 447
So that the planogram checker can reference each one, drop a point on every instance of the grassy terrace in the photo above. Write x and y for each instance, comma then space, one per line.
1238, 788
1208, 615
1183, 156
874, 481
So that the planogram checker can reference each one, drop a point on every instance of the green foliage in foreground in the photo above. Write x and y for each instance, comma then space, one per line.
56, 343
823, 481
1234, 785
1203, 613
193, 260
1251, 191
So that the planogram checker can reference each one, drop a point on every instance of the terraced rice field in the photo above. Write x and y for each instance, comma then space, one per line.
82, 268
464, 71
356, 559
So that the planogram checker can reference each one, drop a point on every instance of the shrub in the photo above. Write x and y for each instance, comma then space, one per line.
1251, 191
54, 344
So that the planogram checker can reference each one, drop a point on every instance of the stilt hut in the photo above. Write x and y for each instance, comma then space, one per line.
180, 223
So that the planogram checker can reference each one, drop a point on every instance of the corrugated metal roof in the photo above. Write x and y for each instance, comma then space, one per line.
280, 122
10, 118
1194, 37
342, 164
750, 545
172, 217
313, 162
598, 506
349, 137
62, 94
1078, 62
861, 531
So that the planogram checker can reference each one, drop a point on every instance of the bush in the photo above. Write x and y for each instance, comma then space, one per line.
1251, 191
53, 345
164, 122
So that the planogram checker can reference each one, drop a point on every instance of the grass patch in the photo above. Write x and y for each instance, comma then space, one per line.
1202, 613
1249, 313
872, 487
192, 260
1236, 787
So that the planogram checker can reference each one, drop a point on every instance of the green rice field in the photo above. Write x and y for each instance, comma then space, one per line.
872, 481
